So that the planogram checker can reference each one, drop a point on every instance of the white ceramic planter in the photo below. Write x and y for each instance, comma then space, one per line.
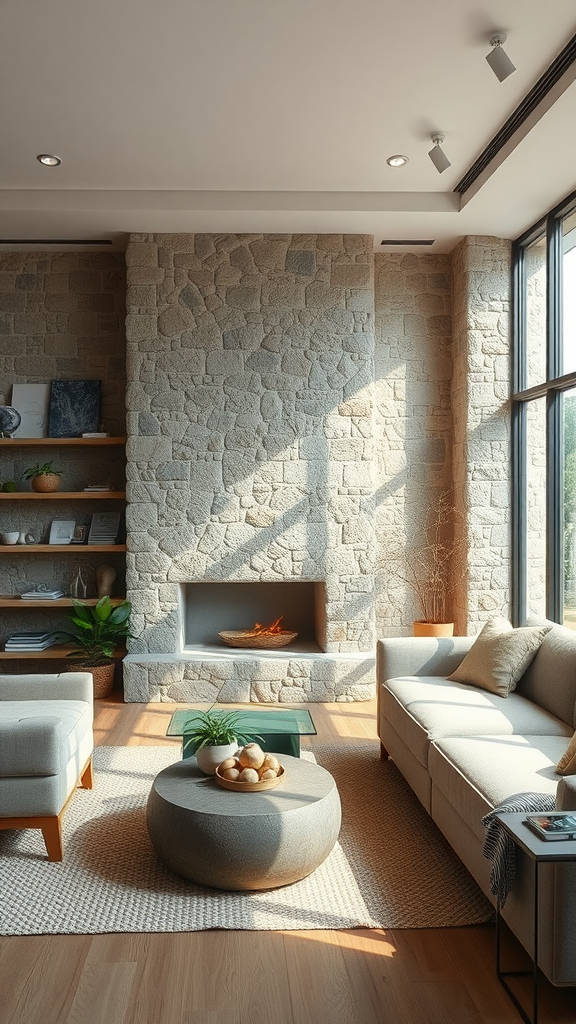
209, 758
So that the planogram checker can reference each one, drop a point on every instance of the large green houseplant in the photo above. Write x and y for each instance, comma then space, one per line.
99, 630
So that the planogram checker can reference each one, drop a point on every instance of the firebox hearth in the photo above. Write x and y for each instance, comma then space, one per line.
209, 608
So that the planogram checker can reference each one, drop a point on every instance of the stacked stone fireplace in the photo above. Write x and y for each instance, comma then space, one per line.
250, 365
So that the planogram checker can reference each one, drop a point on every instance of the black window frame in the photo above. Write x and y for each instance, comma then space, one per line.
552, 389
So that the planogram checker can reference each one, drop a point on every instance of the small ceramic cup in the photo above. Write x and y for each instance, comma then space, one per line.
10, 538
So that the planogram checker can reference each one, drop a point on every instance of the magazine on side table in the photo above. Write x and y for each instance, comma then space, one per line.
553, 826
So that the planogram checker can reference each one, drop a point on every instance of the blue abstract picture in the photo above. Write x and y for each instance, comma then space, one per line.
74, 407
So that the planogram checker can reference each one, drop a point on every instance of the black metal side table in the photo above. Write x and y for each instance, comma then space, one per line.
540, 851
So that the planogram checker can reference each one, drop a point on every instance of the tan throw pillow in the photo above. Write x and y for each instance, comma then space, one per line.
499, 656
567, 763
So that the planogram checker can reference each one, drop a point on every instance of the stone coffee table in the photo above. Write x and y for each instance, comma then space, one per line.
243, 841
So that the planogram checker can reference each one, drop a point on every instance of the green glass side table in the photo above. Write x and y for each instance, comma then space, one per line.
280, 729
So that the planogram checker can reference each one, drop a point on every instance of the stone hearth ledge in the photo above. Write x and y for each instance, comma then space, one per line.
248, 677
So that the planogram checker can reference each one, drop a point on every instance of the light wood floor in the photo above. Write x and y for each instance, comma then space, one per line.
347, 977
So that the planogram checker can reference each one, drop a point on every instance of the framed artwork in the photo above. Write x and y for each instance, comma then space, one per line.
74, 407
61, 531
32, 401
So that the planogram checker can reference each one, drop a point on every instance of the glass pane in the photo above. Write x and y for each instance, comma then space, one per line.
535, 284
536, 507
569, 403
569, 292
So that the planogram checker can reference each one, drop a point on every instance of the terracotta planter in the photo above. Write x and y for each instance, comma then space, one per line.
433, 629
102, 676
45, 482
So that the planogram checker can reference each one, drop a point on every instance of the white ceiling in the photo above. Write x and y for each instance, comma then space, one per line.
275, 115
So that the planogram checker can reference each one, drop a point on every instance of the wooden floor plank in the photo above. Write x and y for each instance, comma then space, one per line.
360, 976
104, 994
39, 975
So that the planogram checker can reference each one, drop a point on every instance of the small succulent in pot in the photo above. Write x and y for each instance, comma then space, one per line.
43, 478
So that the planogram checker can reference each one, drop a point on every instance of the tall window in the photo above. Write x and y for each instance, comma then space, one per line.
544, 418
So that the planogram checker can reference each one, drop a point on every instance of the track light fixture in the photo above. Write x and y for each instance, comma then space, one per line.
498, 59
437, 154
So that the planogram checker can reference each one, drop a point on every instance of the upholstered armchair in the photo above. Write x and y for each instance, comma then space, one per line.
46, 742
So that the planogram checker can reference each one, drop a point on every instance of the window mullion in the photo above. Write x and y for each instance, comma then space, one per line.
555, 507
519, 514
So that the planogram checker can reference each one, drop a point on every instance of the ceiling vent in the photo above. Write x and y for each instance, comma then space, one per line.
407, 241
531, 101
56, 241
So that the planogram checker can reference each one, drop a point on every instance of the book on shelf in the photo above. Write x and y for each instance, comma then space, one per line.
104, 528
29, 642
553, 826
42, 595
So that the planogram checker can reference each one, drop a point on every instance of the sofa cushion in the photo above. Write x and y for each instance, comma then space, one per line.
550, 681
499, 656
425, 708
477, 773
567, 763
40, 737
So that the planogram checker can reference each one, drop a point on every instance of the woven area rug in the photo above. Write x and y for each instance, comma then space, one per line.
391, 868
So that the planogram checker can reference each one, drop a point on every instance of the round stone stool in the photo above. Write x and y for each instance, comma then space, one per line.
243, 841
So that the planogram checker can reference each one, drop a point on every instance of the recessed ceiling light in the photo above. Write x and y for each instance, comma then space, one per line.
397, 160
48, 160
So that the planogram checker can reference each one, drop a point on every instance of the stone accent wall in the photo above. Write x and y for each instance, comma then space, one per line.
250, 454
480, 397
61, 317
413, 416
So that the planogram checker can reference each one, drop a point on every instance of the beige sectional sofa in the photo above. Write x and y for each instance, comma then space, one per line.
465, 750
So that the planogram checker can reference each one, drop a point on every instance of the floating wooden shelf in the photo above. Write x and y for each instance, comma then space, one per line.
46, 549
58, 651
61, 602
53, 442
60, 495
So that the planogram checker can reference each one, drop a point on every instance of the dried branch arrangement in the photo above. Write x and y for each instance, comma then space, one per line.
434, 569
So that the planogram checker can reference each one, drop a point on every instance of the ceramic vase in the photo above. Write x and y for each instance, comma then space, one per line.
209, 758
105, 577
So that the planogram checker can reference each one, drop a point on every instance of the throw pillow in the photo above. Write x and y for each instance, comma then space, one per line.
499, 656
567, 763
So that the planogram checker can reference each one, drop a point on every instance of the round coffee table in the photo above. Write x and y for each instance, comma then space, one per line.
243, 841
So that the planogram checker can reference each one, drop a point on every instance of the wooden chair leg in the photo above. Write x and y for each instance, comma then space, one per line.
87, 777
52, 832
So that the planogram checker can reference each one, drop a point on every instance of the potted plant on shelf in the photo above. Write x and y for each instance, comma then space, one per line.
43, 478
99, 630
218, 737
434, 568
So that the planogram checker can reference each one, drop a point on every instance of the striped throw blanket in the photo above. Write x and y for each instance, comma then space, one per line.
499, 847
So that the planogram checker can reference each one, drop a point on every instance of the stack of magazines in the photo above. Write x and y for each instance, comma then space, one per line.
553, 826
104, 528
39, 594
29, 642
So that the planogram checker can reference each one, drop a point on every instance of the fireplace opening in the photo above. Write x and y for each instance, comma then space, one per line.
209, 608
